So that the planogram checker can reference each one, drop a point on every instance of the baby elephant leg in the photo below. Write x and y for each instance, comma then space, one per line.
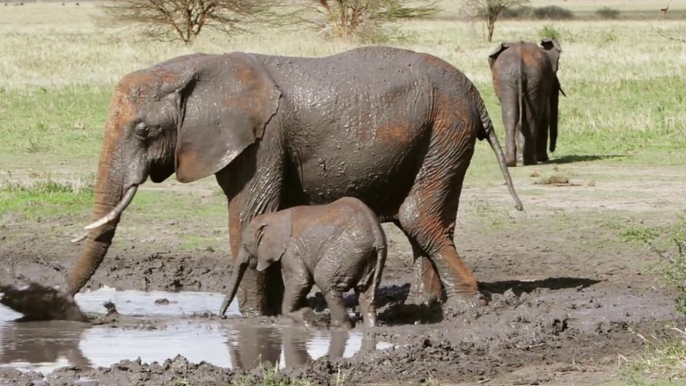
297, 283
339, 315
305, 316
365, 297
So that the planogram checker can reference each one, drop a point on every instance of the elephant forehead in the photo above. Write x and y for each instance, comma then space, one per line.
144, 85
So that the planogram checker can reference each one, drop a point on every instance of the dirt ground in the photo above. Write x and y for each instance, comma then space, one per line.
568, 297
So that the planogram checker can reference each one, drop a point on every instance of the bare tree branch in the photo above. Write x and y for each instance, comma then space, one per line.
184, 20
659, 30
345, 18
488, 11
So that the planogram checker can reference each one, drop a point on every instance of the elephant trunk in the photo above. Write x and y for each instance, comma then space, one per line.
238, 271
99, 239
110, 200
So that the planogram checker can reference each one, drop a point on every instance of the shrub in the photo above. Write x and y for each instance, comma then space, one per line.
184, 20
524, 12
607, 13
549, 31
489, 11
553, 12
366, 20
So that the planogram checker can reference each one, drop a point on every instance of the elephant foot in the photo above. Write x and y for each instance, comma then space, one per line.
543, 158
341, 324
460, 304
420, 298
511, 163
307, 317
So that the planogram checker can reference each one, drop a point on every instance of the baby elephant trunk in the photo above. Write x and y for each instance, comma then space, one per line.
238, 270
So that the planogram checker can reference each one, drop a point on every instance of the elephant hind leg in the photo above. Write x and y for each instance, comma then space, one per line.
428, 217
426, 284
339, 314
542, 138
528, 139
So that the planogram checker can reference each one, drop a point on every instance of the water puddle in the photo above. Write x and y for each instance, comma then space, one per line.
45, 346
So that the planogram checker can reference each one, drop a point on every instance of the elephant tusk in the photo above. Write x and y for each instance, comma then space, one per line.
125, 201
80, 238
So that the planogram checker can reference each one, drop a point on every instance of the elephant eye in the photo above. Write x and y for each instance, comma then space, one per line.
141, 128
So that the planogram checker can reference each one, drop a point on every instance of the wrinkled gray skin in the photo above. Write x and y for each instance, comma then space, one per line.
337, 246
392, 127
526, 83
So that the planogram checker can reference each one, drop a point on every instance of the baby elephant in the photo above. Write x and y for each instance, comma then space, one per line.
337, 246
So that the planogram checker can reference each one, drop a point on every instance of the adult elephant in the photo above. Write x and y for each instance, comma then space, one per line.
392, 127
526, 83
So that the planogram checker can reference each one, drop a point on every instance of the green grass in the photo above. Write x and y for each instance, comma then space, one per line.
64, 123
662, 363
44, 198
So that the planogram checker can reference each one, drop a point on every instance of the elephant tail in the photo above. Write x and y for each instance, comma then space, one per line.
488, 132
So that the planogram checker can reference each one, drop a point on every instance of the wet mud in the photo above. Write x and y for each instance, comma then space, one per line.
566, 301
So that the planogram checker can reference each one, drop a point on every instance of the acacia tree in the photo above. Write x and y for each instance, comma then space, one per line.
345, 18
489, 11
184, 19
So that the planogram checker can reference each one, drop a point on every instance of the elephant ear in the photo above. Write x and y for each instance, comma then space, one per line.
553, 49
272, 240
226, 108
494, 55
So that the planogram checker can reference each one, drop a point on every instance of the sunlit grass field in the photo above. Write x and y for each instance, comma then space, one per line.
624, 83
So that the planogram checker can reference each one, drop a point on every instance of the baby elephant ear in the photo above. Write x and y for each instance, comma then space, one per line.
226, 109
274, 240
494, 55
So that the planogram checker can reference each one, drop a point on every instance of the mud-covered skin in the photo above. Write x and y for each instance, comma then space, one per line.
525, 81
337, 246
391, 127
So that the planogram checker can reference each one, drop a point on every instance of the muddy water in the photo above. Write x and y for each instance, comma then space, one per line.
44, 346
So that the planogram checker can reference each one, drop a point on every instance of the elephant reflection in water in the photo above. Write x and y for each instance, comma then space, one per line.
255, 346
35, 342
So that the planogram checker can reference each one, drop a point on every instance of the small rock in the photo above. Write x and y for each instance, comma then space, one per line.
162, 301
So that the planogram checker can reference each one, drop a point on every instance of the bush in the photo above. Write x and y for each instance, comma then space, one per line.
366, 20
524, 12
553, 12
607, 13
549, 31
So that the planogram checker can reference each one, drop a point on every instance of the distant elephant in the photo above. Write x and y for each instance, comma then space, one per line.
392, 127
337, 246
526, 83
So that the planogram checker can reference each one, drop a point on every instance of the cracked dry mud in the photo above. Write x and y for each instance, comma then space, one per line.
567, 298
